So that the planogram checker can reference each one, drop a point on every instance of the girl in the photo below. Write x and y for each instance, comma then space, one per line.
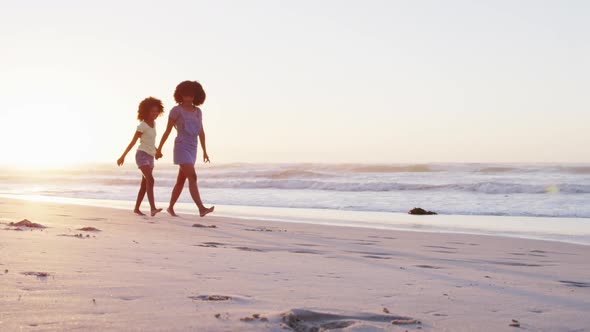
149, 109
187, 118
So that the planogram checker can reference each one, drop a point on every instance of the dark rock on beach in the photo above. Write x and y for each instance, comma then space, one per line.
420, 211
26, 223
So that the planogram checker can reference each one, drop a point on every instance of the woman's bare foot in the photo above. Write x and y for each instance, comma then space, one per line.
139, 213
206, 211
171, 212
155, 211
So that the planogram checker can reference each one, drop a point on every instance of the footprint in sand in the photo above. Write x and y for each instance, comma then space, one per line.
204, 226
78, 236
39, 275
575, 283
253, 318
513, 264
372, 253
128, 298
264, 229
301, 320
248, 249
210, 244
376, 257
428, 267
365, 242
440, 315
444, 251
215, 298
441, 247
303, 251
89, 229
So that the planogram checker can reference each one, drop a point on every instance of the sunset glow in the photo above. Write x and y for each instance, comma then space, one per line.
381, 82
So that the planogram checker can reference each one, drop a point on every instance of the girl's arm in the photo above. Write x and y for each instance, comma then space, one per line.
129, 147
169, 127
203, 145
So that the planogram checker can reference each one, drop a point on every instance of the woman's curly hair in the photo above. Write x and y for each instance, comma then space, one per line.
146, 106
190, 88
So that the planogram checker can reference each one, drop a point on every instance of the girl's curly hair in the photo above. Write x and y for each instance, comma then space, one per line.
146, 106
190, 88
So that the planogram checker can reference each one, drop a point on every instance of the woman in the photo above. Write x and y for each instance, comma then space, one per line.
187, 118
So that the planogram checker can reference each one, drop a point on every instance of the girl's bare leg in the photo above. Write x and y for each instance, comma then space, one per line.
140, 196
149, 181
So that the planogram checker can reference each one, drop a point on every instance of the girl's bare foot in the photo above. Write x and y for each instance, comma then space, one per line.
155, 211
171, 212
206, 211
139, 213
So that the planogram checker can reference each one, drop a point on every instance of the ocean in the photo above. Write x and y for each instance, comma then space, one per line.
551, 201
457, 189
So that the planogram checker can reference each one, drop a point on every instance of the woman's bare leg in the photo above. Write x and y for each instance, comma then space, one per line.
176, 192
191, 175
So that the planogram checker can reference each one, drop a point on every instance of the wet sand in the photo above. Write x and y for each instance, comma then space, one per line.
105, 269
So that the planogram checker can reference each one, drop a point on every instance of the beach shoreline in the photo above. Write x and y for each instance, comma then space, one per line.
177, 274
559, 229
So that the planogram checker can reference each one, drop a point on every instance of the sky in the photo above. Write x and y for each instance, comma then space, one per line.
300, 81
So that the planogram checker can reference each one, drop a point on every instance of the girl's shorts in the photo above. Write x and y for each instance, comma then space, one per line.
143, 158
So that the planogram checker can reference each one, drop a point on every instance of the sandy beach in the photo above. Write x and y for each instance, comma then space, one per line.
105, 269
314, 129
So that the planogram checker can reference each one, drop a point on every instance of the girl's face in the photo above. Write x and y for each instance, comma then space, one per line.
188, 99
153, 114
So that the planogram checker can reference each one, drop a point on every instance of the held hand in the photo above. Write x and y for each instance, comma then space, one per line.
206, 158
120, 161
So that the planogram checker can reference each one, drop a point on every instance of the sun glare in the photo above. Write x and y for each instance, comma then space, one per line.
42, 142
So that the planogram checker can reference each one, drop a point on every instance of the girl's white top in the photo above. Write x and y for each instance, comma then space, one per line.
147, 142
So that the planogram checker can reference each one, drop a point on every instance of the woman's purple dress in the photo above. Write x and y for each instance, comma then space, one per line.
188, 127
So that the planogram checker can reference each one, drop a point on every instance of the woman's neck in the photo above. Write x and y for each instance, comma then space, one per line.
188, 106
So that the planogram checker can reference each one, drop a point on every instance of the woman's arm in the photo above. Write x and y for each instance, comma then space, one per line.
203, 144
169, 127
137, 135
